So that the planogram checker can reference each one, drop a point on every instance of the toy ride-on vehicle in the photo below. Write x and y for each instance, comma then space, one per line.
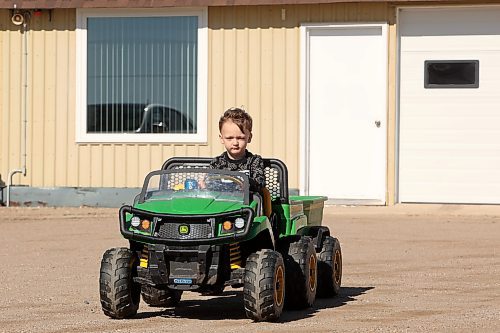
193, 228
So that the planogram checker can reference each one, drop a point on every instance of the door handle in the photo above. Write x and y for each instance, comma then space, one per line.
377, 123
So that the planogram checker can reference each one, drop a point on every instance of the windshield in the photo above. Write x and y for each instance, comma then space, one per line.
195, 183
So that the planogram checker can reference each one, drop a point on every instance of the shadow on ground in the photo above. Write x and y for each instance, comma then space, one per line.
229, 305
346, 295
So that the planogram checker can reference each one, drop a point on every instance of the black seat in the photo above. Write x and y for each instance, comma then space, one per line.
275, 171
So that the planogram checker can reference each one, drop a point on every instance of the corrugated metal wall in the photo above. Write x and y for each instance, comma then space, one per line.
253, 61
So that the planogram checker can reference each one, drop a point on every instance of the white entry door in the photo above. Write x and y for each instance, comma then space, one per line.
345, 112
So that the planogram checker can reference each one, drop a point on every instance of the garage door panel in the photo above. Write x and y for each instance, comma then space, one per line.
441, 160
456, 126
449, 137
452, 45
459, 194
446, 22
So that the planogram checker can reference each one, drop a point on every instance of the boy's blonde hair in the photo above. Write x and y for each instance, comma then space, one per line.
238, 116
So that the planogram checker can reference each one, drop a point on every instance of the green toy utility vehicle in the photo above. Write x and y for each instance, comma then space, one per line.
193, 228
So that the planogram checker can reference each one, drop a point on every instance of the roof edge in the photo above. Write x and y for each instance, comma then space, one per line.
55, 4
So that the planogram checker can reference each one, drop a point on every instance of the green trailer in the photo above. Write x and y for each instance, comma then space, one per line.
198, 229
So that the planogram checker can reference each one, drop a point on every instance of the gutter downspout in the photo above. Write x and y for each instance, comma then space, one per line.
25, 110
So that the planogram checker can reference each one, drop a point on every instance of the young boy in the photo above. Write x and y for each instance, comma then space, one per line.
235, 127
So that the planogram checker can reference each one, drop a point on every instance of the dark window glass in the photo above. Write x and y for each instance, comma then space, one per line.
141, 73
451, 74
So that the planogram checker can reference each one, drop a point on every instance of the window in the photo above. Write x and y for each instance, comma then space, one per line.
451, 74
141, 75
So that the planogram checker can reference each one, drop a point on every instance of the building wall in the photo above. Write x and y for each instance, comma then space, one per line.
254, 58
2, 95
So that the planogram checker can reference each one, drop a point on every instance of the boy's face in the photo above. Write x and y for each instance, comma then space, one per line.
234, 140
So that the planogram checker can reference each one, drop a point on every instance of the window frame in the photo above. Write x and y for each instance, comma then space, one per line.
81, 135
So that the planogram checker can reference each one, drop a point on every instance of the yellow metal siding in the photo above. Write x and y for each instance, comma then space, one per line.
11, 109
253, 60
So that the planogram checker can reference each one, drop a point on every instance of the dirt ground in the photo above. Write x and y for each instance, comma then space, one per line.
407, 268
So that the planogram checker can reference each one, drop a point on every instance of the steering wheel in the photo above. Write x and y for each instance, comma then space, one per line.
237, 183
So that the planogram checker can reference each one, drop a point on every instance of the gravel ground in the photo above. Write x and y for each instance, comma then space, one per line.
407, 268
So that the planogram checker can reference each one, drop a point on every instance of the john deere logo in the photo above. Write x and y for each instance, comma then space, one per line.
184, 229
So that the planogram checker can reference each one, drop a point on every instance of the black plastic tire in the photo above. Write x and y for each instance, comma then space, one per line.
120, 295
264, 285
301, 269
160, 297
329, 268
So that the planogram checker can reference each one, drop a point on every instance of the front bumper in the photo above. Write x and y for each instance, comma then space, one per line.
185, 268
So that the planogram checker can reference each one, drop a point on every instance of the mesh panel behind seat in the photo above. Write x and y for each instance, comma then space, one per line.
272, 182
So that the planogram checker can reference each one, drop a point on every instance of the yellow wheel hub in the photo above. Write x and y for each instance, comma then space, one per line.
337, 269
279, 286
312, 272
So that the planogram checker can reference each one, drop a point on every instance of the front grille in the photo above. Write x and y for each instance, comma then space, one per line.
196, 231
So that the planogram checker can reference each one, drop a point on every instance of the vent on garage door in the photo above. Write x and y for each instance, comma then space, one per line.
451, 74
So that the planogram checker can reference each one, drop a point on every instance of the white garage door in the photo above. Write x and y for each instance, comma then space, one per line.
449, 105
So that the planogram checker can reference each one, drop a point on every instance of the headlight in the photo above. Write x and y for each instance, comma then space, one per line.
135, 221
140, 224
232, 225
239, 223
